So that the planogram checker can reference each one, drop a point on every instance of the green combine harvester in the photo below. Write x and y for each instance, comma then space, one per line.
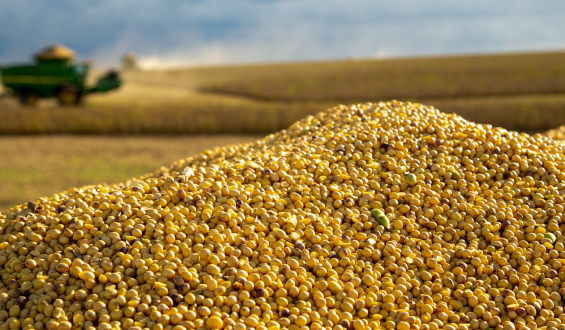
55, 74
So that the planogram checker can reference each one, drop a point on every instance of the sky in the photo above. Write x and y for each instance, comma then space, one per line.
175, 33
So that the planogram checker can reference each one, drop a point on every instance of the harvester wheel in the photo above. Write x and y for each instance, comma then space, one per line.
68, 96
28, 99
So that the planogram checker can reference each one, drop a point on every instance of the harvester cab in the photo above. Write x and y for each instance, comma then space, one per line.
55, 74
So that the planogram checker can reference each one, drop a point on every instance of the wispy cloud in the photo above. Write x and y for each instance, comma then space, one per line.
178, 33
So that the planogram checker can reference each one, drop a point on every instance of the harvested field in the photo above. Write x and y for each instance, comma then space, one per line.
518, 92
43, 165
209, 115
414, 78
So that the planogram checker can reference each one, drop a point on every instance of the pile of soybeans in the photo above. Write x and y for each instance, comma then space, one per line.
373, 216
556, 133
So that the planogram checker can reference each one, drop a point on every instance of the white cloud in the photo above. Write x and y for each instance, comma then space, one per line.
204, 55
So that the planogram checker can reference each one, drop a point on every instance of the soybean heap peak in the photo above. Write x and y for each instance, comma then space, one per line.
385, 215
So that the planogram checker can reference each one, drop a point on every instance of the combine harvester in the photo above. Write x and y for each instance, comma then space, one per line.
55, 74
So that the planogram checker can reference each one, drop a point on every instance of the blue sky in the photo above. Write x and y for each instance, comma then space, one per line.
179, 33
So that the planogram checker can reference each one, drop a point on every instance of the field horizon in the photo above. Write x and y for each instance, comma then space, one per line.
523, 92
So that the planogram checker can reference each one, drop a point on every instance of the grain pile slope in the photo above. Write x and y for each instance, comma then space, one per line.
556, 133
388, 215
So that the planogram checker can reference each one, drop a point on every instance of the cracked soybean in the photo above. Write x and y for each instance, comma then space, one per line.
280, 234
